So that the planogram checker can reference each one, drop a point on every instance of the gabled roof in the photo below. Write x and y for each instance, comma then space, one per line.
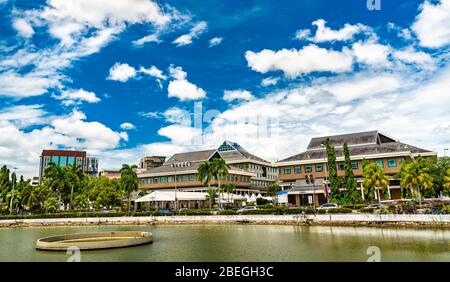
196, 156
358, 138
231, 151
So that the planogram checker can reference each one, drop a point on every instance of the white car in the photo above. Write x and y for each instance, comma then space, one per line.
328, 207
247, 208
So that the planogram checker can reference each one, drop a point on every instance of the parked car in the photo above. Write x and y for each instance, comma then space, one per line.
328, 206
247, 208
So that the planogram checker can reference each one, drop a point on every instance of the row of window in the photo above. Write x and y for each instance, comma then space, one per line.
257, 167
190, 178
63, 161
260, 183
341, 166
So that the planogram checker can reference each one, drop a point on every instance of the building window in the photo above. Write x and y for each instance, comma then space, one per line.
149, 181
298, 169
71, 161
191, 177
392, 163
155, 180
287, 170
341, 166
379, 162
183, 178
169, 179
354, 165
142, 181
62, 161
319, 167
163, 179
55, 160
308, 168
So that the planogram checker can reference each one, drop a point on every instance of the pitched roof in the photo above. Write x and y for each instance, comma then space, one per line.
361, 143
237, 152
196, 156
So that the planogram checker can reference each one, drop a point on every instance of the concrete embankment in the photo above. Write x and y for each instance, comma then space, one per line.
378, 220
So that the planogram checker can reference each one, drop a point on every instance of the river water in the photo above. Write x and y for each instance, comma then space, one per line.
243, 243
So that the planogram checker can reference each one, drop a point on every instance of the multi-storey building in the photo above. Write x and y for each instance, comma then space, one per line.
72, 158
249, 173
151, 162
387, 152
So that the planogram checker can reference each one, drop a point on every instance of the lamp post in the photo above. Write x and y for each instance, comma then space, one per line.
174, 165
325, 164
446, 149
309, 180
12, 191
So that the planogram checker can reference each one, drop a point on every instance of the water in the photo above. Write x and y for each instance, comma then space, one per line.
242, 243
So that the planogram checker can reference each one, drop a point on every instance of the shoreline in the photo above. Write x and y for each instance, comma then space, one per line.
373, 220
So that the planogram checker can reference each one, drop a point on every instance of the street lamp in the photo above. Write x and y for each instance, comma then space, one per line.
12, 191
446, 149
174, 165
325, 164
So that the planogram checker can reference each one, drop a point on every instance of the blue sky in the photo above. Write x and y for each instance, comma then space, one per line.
121, 79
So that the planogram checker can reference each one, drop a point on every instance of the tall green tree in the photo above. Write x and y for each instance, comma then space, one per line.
416, 177
211, 195
352, 195
5, 186
335, 194
220, 169
374, 178
129, 180
447, 183
57, 179
206, 173
230, 188
272, 190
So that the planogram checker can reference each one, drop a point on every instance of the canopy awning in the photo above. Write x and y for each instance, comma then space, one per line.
169, 196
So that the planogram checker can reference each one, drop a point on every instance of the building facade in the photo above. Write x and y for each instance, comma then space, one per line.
151, 162
249, 173
64, 158
295, 172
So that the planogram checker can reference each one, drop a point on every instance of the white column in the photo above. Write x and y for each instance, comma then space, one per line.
389, 192
362, 191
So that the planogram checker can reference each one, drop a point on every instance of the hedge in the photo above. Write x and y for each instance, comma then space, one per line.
227, 212
79, 215
294, 211
337, 210
271, 211
195, 212
354, 206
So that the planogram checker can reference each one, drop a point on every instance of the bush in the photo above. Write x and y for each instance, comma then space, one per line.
77, 215
293, 211
261, 201
259, 212
310, 210
227, 212
445, 209
195, 212
338, 210
367, 210
354, 206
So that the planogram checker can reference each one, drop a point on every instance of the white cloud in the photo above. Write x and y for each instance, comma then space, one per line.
121, 72
270, 81
185, 90
324, 33
419, 58
127, 126
371, 53
231, 95
297, 62
177, 72
432, 25
24, 115
32, 84
71, 97
215, 41
146, 39
153, 71
194, 33
23, 28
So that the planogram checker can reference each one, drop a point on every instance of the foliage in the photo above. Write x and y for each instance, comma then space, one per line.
227, 212
374, 179
195, 212
211, 195
206, 172
335, 195
219, 169
352, 195
261, 201
447, 183
51, 204
416, 177
129, 180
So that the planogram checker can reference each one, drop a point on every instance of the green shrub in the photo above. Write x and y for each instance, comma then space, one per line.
77, 215
227, 212
367, 210
294, 211
195, 212
354, 206
340, 210
259, 212
310, 210
445, 209
261, 201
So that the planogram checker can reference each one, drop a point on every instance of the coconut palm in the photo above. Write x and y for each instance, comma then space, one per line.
56, 178
220, 169
30, 196
374, 177
206, 173
129, 180
76, 175
415, 176
211, 195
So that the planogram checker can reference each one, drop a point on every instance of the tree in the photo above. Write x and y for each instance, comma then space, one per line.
416, 177
272, 190
374, 178
220, 169
5, 186
211, 195
335, 195
51, 204
129, 180
76, 175
447, 183
206, 173
350, 183
57, 179
230, 188
31, 197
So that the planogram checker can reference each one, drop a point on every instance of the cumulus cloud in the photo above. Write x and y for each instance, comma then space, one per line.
78, 96
417, 58
23, 28
231, 95
17, 85
121, 72
294, 62
215, 41
181, 88
324, 33
194, 33
153, 71
371, 53
127, 126
432, 24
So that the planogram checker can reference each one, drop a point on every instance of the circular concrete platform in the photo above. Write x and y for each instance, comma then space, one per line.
94, 241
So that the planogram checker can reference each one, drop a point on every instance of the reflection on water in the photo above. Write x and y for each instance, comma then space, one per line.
242, 243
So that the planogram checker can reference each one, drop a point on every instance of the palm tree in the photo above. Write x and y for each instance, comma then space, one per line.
76, 175
220, 169
230, 188
30, 196
415, 176
211, 195
374, 177
57, 179
206, 173
129, 180
447, 179
273, 189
